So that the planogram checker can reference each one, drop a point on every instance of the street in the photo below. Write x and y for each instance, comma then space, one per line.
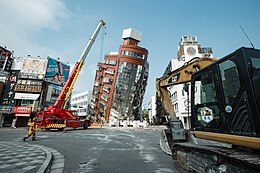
104, 149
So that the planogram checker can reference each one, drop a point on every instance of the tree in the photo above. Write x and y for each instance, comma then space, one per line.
145, 114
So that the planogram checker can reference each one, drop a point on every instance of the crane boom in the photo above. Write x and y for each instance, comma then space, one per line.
57, 116
67, 89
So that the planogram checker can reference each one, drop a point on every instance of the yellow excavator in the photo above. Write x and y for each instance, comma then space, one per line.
225, 113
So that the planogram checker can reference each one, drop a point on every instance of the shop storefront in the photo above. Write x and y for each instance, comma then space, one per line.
6, 116
22, 115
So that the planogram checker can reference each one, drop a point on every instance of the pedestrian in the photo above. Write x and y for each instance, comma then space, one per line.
102, 121
31, 130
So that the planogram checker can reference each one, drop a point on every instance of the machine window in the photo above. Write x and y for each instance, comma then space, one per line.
205, 89
206, 108
256, 63
230, 80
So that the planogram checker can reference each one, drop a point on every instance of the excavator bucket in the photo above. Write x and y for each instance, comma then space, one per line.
174, 133
166, 141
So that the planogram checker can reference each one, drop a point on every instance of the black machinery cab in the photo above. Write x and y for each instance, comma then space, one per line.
225, 96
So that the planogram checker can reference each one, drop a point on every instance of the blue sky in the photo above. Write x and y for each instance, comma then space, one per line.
62, 28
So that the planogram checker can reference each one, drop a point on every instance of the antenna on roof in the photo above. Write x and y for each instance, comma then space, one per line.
247, 37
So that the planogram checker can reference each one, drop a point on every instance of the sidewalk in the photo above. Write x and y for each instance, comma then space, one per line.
23, 157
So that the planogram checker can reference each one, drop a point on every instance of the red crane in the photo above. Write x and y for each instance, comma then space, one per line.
57, 116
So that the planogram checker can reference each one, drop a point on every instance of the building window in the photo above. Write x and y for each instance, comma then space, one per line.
107, 80
104, 97
134, 54
99, 76
175, 106
230, 76
102, 105
99, 68
185, 120
96, 91
106, 89
183, 92
96, 84
26, 102
111, 62
175, 95
110, 71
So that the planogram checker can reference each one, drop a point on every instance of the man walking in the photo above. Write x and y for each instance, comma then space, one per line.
32, 129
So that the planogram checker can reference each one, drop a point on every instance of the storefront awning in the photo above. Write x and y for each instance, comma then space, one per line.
26, 96
22, 115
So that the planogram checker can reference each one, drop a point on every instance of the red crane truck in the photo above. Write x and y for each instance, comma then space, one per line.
56, 116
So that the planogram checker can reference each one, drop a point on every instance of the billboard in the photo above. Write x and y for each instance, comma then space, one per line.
57, 72
17, 63
22, 109
6, 109
3, 76
34, 66
31, 86
26, 96
5, 59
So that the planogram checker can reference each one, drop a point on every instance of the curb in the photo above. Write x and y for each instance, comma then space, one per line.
47, 162
58, 161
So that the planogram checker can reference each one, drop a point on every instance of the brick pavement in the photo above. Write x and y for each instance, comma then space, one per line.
23, 157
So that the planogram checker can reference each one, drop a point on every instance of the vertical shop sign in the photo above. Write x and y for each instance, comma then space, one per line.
8, 96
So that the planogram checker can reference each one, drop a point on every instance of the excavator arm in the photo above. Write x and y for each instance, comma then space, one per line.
178, 76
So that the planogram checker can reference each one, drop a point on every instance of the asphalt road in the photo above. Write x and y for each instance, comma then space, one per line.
103, 150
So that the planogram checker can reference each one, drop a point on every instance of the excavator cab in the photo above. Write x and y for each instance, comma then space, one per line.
225, 99
225, 113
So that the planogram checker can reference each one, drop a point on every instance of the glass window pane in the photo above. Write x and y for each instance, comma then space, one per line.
256, 63
205, 89
206, 108
230, 80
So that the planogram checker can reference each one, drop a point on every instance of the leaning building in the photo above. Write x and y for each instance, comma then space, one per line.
121, 81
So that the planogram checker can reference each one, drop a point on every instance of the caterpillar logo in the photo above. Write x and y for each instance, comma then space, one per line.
175, 78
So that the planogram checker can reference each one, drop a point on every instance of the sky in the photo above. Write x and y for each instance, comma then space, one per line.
62, 28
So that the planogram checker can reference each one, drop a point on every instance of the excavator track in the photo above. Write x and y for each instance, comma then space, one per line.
205, 159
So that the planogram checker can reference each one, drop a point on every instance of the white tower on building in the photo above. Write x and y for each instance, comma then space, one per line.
188, 49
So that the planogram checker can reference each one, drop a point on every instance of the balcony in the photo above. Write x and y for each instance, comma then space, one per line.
104, 97
110, 71
96, 84
106, 89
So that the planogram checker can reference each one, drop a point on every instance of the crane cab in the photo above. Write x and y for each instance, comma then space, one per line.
225, 99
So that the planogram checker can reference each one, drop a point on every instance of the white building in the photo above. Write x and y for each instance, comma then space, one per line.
152, 109
80, 102
188, 49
